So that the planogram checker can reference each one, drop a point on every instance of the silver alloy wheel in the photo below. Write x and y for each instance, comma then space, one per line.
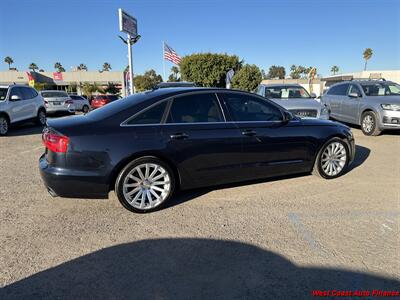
333, 159
146, 186
3, 125
368, 123
42, 117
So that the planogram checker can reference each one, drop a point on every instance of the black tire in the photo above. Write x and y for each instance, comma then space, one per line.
318, 169
85, 109
123, 178
4, 125
367, 118
39, 118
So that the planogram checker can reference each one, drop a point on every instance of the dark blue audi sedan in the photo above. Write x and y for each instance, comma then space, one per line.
148, 145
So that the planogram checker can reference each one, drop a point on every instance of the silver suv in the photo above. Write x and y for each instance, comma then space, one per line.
58, 101
295, 99
20, 103
375, 105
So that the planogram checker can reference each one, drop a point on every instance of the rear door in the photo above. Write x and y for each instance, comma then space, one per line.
198, 139
351, 105
271, 147
29, 102
334, 98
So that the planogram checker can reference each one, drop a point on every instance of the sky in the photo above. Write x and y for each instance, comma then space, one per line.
309, 33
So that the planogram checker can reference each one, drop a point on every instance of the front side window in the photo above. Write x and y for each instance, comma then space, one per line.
244, 108
152, 115
3, 93
286, 92
381, 89
16, 91
196, 108
355, 89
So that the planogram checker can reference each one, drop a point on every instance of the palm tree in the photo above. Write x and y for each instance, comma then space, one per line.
175, 71
8, 60
367, 54
58, 66
334, 69
106, 66
33, 67
82, 67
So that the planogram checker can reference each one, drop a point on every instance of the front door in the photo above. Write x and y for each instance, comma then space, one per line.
351, 105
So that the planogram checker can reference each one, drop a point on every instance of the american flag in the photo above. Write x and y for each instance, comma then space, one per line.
171, 55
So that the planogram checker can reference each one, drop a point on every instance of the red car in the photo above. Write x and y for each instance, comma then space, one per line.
101, 100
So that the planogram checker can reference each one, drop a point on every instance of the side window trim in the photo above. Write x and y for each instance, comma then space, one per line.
125, 123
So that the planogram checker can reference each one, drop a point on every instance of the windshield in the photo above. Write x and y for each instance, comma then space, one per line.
286, 92
54, 94
3, 93
381, 89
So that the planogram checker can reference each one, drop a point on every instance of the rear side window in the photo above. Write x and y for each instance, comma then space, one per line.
245, 108
339, 90
3, 93
54, 94
29, 93
196, 108
152, 115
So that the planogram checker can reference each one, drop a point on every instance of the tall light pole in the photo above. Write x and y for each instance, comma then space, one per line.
130, 41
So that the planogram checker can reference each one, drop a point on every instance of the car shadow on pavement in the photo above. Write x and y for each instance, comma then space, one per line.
361, 155
188, 268
24, 129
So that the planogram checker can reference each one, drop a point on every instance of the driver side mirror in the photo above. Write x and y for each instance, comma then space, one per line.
313, 95
15, 98
353, 95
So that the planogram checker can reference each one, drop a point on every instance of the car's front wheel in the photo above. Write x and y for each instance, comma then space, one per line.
145, 184
4, 125
332, 160
368, 124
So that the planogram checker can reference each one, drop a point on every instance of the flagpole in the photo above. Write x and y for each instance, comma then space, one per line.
163, 61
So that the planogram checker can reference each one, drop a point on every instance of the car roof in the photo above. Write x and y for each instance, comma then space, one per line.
281, 84
14, 85
53, 91
363, 82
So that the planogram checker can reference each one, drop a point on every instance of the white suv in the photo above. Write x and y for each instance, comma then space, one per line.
20, 103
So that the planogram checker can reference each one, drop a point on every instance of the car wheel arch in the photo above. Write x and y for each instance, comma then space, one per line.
127, 160
326, 141
3, 113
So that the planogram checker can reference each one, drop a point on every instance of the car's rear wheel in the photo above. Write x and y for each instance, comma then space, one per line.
145, 184
368, 124
41, 117
332, 160
4, 125
85, 109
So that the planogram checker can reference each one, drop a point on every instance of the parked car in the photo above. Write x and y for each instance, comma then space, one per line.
296, 99
375, 105
163, 85
80, 103
57, 101
101, 100
20, 103
149, 144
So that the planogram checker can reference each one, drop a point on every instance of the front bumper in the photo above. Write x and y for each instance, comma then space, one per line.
71, 183
390, 119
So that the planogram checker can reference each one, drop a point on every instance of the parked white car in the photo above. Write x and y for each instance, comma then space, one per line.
80, 103
20, 103
57, 101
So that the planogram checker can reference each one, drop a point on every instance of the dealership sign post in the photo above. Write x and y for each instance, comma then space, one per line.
128, 24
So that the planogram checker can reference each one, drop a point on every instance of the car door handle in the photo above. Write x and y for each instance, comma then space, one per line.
179, 136
249, 132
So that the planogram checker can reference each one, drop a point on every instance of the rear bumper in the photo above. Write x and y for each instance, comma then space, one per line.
70, 109
72, 183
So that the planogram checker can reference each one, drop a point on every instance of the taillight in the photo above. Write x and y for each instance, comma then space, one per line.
69, 102
46, 103
55, 142
103, 102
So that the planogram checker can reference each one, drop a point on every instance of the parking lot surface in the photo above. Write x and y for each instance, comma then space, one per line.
267, 239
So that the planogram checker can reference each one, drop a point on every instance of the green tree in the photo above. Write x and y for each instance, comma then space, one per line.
106, 67
8, 60
334, 69
147, 81
173, 77
208, 69
247, 78
297, 72
89, 89
58, 66
276, 72
112, 89
367, 54
82, 67
33, 67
